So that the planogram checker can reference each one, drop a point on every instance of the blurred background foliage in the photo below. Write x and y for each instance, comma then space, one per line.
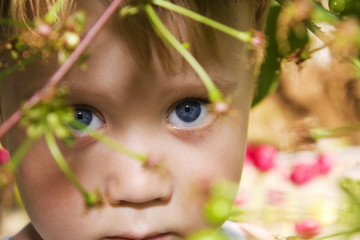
303, 155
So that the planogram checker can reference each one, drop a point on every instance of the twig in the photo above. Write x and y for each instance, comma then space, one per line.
242, 36
60, 73
214, 94
311, 26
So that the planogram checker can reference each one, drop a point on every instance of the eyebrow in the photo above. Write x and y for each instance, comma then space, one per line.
225, 85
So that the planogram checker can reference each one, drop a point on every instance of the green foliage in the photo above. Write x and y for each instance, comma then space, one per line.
52, 116
49, 115
352, 9
218, 207
270, 69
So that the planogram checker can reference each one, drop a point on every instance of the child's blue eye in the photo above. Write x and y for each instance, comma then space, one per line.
86, 118
188, 113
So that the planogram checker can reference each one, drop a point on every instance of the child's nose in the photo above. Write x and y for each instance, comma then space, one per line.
133, 183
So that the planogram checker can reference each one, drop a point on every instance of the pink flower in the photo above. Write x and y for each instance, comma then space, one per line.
249, 156
307, 228
4, 156
264, 157
44, 29
302, 173
258, 39
324, 163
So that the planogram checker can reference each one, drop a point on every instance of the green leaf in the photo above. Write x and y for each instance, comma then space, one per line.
322, 15
352, 9
269, 71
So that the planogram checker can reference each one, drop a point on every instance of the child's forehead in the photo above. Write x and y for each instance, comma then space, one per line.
143, 46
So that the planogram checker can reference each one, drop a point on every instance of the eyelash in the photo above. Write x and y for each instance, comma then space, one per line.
191, 132
85, 137
181, 131
204, 101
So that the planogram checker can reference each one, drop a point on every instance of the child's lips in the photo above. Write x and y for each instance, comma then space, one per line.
159, 236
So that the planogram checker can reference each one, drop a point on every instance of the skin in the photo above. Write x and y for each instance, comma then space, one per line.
133, 106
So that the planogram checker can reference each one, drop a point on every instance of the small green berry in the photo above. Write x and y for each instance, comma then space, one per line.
217, 209
71, 40
14, 54
337, 6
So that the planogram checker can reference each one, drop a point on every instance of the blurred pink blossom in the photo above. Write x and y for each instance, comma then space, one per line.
258, 39
249, 155
324, 163
303, 172
307, 228
264, 157
4, 156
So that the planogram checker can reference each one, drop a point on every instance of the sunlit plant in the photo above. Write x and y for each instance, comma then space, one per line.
47, 114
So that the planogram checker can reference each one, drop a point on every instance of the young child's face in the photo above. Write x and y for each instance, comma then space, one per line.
151, 112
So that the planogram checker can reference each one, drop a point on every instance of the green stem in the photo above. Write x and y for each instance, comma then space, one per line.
118, 147
316, 30
15, 159
51, 15
243, 36
18, 65
356, 62
5, 21
214, 94
318, 133
61, 162
109, 141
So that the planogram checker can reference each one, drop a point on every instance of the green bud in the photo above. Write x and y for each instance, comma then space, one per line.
71, 40
79, 21
53, 120
35, 113
63, 56
186, 45
67, 116
20, 46
217, 209
128, 11
14, 54
91, 199
337, 6
34, 131
61, 132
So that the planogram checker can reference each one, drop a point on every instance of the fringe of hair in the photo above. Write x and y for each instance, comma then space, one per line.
137, 31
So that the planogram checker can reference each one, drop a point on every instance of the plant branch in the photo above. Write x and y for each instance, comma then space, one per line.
20, 64
60, 73
61, 162
312, 27
20, 153
109, 141
118, 147
214, 94
243, 36
320, 132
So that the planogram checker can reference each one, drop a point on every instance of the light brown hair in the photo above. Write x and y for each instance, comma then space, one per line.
137, 30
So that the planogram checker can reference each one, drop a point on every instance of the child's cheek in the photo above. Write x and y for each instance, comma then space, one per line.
45, 192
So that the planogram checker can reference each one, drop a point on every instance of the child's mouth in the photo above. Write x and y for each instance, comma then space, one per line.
159, 236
